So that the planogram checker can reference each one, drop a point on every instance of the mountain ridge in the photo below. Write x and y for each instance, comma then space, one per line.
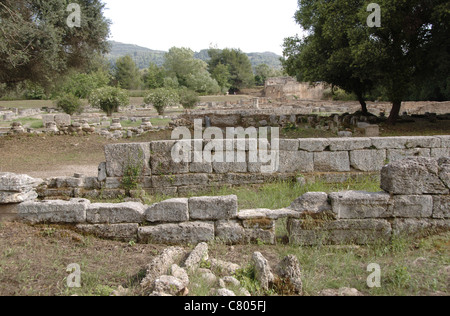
143, 55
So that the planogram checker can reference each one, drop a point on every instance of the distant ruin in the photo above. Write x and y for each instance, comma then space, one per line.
287, 86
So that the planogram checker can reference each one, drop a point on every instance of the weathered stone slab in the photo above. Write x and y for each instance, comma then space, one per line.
414, 226
115, 213
179, 180
197, 256
444, 170
400, 154
351, 143
183, 233
313, 202
17, 197
360, 232
259, 223
445, 141
331, 161
314, 145
360, 205
62, 119
230, 232
8, 213
174, 210
54, 212
258, 235
441, 206
213, 208
164, 161
413, 176
263, 272
124, 232
389, 142
119, 157
17, 182
440, 152
368, 160
296, 161
411, 206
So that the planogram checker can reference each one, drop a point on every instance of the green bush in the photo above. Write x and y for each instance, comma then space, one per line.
162, 98
70, 104
109, 99
188, 98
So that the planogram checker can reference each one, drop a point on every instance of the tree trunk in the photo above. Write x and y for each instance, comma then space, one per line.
363, 104
395, 112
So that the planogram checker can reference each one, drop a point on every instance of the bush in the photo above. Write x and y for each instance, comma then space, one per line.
109, 99
162, 98
70, 104
188, 98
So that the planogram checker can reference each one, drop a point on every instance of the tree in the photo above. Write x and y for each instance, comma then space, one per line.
70, 104
154, 77
127, 74
162, 98
264, 71
238, 65
221, 74
37, 44
82, 84
188, 98
109, 99
190, 72
341, 48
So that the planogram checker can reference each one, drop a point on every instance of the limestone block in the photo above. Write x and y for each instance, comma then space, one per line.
197, 256
346, 144
314, 144
259, 235
368, 160
360, 205
413, 176
389, 142
400, 154
296, 161
331, 161
125, 232
441, 206
183, 233
312, 202
54, 212
62, 119
121, 156
410, 226
173, 210
180, 180
445, 141
8, 212
356, 231
230, 232
18, 182
411, 206
213, 208
115, 213
440, 152
168, 157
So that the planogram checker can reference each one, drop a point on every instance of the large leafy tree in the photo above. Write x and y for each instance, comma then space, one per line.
127, 74
37, 44
341, 49
237, 64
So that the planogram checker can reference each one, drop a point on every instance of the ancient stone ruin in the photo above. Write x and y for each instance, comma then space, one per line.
415, 199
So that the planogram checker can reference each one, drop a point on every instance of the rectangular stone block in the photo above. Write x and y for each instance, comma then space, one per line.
8, 213
368, 159
17, 182
341, 232
173, 210
54, 212
115, 213
350, 143
400, 154
413, 176
411, 206
440, 152
327, 161
313, 144
63, 119
441, 206
120, 157
183, 233
123, 232
7, 197
213, 208
360, 205
167, 159
230, 232
410, 226
260, 236
296, 161
180, 180
445, 141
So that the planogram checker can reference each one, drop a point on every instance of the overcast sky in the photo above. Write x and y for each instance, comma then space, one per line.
251, 25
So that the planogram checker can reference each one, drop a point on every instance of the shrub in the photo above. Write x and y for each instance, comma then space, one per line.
188, 98
70, 104
109, 99
162, 98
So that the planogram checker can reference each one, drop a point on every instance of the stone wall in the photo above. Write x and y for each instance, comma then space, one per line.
288, 86
415, 200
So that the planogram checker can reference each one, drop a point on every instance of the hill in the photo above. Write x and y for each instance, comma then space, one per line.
143, 56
